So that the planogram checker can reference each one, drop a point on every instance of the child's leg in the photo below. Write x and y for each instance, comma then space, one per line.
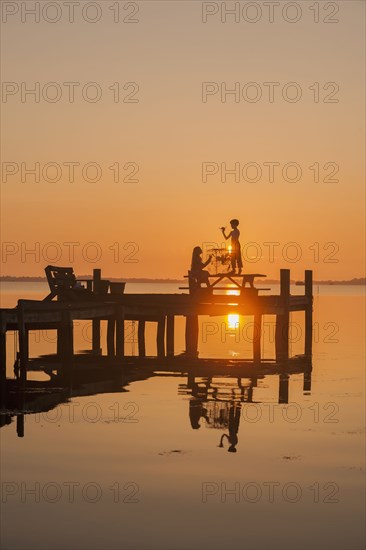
206, 279
239, 259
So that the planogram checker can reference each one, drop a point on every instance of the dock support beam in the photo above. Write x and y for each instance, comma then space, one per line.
141, 338
96, 322
66, 342
170, 336
192, 335
283, 319
309, 313
110, 336
23, 345
96, 336
2, 363
120, 332
160, 337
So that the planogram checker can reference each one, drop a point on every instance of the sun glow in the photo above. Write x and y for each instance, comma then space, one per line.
233, 320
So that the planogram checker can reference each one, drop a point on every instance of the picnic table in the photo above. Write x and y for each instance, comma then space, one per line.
240, 283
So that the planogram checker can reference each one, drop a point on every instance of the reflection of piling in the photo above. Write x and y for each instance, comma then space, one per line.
283, 388
283, 318
20, 425
307, 381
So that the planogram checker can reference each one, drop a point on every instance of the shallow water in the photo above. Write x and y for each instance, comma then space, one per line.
138, 464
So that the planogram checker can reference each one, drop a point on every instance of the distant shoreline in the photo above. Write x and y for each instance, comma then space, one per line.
13, 279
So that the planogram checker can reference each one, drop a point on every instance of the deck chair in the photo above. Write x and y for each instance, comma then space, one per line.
63, 285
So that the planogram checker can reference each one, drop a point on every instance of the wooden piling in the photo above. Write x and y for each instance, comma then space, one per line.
283, 318
97, 277
141, 338
160, 344
2, 363
257, 333
192, 335
309, 313
120, 332
23, 345
170, 336
110, 336
97, 274
66, 333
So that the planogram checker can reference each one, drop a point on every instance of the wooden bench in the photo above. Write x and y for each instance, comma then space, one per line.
64, 285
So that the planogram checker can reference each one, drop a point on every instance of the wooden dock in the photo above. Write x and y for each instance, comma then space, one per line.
30, 315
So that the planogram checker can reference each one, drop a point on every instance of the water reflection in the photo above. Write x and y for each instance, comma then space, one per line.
217, 402
214, 401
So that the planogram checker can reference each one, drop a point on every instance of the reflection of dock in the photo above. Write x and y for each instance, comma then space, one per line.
161, 309
212, 385
238, 385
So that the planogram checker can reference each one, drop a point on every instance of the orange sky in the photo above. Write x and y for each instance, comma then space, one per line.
170, 132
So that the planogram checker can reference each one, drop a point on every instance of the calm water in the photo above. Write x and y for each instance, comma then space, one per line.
137, 464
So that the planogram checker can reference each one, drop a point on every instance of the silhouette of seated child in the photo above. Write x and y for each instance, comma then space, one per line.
197, 267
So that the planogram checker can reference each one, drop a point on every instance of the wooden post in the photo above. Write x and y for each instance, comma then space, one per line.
192, 335
2, 363
97, 277
170, 336
96, 322
309, 313
120, 332
141, 338
283, 318
96, 336
110, 336
257, 333
160, 337
66, 334
23, 345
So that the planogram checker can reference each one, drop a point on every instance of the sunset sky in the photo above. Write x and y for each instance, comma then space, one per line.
169, 132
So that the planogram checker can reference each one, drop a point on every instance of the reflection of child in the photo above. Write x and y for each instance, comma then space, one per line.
197, 266
235, 245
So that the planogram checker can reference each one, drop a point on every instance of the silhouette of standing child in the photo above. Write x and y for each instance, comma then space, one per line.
234, 421
197, 266
235, 245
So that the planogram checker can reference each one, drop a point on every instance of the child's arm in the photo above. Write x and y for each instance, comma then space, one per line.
226, 236
207, 262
